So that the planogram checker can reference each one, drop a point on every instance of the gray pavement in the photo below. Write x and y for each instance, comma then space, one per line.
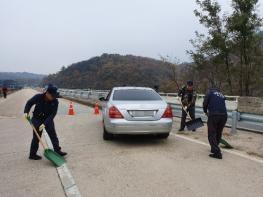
19, 176
127, 166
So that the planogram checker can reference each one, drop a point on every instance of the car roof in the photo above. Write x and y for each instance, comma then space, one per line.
131, 87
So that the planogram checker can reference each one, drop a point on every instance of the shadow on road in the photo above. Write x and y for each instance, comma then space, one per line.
139, 140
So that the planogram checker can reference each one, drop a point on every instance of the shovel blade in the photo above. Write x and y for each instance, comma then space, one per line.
226, 144
55, 158
194, 124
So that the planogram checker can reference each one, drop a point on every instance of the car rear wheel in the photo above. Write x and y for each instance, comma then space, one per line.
163, 135
106, 135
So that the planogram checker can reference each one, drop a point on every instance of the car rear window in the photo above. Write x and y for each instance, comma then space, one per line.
135, 95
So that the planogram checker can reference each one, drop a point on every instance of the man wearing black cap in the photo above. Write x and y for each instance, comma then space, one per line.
46, 106
188, 98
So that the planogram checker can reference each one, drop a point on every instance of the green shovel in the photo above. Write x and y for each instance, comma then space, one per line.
226, 144
51, 155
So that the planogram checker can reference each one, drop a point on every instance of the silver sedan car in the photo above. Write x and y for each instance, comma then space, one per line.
135, 110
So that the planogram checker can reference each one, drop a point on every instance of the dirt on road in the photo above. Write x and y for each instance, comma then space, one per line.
247, 142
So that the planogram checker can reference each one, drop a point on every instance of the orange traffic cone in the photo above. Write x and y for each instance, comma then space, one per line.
96, 109
71, 109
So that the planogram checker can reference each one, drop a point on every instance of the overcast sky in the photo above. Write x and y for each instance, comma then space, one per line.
42, 36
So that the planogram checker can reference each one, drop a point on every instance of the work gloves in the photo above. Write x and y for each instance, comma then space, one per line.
27, 116
187, 107
41, 127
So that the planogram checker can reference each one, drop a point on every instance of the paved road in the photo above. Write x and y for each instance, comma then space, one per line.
127, 166
19, 176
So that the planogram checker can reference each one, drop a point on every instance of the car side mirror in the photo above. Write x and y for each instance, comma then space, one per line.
102, 99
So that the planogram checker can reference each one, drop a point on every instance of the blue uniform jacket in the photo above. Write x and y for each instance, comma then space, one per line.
45, 111
214, 103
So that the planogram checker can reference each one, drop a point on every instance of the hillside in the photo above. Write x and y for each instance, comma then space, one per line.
20, 78
111, 70
19, 75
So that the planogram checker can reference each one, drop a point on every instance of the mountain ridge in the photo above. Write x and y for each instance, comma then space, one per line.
20, 79
109, 70
20, 75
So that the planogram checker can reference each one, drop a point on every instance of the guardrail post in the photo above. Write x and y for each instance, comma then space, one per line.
234, 122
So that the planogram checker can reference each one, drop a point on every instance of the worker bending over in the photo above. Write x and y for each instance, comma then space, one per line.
46, 106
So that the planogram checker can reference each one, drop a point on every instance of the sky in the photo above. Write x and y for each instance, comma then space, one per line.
42, 36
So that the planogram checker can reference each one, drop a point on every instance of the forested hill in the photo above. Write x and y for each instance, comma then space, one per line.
111, 70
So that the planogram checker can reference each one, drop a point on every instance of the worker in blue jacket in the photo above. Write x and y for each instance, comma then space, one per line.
46, 106
215, 107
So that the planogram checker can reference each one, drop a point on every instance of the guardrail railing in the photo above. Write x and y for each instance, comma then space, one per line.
236, 120
228, 98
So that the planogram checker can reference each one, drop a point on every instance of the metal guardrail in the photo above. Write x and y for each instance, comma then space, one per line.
84, 94
236, 120
228, 98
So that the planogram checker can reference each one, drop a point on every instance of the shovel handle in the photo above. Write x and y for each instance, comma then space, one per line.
185, 109
181, 101
35, 131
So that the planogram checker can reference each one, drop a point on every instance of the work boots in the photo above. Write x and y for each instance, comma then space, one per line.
61, 153
216, 156
35, 157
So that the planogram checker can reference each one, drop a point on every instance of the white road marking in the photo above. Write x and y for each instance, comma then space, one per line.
68, 182
66, 179
240, 154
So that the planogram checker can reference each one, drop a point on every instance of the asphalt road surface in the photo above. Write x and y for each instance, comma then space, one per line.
128, 166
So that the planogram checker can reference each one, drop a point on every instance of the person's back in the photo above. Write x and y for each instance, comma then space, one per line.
214, 102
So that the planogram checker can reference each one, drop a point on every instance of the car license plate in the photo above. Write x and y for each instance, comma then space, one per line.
140, 113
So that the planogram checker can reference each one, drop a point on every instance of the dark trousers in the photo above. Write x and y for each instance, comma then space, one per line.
5, 94
50, 128
191, 112
216, 124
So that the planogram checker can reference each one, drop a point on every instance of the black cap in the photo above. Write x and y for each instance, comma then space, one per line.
190, 83
53, 90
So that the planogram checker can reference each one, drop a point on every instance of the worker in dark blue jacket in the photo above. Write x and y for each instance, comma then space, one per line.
215, 107
46, 106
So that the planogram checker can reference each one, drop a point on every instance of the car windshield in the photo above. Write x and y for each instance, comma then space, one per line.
135, 95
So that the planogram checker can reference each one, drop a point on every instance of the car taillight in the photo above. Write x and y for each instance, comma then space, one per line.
115, 113
168, 113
